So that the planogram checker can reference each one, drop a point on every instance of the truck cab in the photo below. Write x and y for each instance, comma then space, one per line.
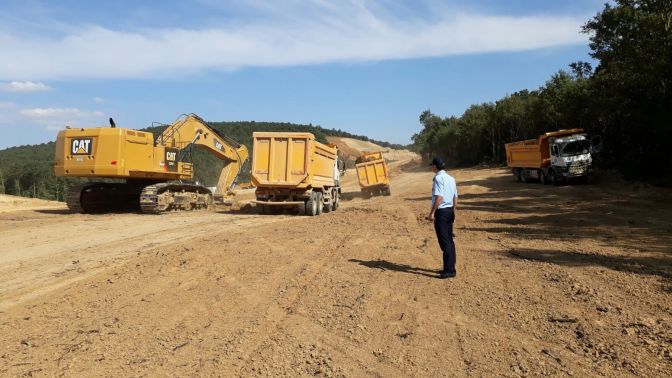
570, 156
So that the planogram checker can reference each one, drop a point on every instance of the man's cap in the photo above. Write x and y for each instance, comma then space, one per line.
438, 162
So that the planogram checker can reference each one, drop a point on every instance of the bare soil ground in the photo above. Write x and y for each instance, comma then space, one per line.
13, 203
572, 280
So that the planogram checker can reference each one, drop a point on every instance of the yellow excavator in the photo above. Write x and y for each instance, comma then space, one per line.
155, 173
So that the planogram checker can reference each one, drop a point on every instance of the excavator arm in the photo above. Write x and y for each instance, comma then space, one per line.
190, 130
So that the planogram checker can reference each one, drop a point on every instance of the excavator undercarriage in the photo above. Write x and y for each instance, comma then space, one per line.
103, 197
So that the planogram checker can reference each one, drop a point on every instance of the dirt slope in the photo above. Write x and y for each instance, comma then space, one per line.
350, 149
568, 280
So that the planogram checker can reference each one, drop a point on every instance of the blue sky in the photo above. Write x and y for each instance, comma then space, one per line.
367, 67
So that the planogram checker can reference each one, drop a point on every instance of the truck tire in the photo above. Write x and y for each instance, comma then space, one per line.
523, 176
542, 177
516, 174
553, 178
386, 191
310, 205
329, 207
320, 203
337, 200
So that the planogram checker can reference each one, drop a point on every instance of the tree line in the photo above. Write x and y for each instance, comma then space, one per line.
626, 99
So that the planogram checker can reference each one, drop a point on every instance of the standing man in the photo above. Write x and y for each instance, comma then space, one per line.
444, 200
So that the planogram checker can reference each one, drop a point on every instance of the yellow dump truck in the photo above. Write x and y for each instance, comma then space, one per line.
372, 173
553, 157
293, 169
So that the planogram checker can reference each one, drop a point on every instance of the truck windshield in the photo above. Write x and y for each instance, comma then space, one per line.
577, 147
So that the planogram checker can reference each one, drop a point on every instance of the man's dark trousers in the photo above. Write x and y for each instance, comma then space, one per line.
443, 224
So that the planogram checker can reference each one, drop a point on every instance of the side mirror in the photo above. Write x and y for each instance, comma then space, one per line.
596, 144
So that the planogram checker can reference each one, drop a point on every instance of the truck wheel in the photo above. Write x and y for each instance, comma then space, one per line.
320, 203
516, 174
311, 205
387, 192
542, 177
337, 200
553, 178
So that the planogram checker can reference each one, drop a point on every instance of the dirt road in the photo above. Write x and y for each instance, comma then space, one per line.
571, 280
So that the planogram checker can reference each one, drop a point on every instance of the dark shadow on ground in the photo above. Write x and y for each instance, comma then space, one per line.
67, 211
635, 227
387, 265
632, 264
255, 209
423, 199
55, 211
347, 196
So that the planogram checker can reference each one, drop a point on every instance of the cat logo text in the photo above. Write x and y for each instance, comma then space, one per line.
81, 146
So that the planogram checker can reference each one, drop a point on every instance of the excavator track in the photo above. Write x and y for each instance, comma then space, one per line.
73, 200
103, 197
159, 198
149, 199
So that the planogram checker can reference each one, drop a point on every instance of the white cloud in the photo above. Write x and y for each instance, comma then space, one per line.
58, 118
296, 33
98, 100
7, 105
24, 86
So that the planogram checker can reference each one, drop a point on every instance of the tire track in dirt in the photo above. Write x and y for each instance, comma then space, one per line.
66, 253
291, 320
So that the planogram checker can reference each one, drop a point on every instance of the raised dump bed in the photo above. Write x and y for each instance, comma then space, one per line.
372, 173
293, 169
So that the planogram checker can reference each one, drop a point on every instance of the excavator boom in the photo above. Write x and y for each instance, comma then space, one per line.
190, 130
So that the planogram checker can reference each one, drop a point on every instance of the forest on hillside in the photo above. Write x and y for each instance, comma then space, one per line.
626, 99
28, 170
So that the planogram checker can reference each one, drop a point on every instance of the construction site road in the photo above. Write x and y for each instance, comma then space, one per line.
569, 280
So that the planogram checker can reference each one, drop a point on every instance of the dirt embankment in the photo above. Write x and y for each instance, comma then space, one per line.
572, 280
350, 150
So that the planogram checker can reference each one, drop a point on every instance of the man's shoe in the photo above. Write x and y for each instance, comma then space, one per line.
444, 275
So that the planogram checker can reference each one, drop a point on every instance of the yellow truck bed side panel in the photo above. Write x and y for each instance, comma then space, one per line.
373, 173
524, 155
291, 160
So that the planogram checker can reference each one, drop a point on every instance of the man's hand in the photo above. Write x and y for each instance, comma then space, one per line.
431, 216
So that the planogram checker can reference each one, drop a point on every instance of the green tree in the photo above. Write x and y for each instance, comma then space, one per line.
633, 42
